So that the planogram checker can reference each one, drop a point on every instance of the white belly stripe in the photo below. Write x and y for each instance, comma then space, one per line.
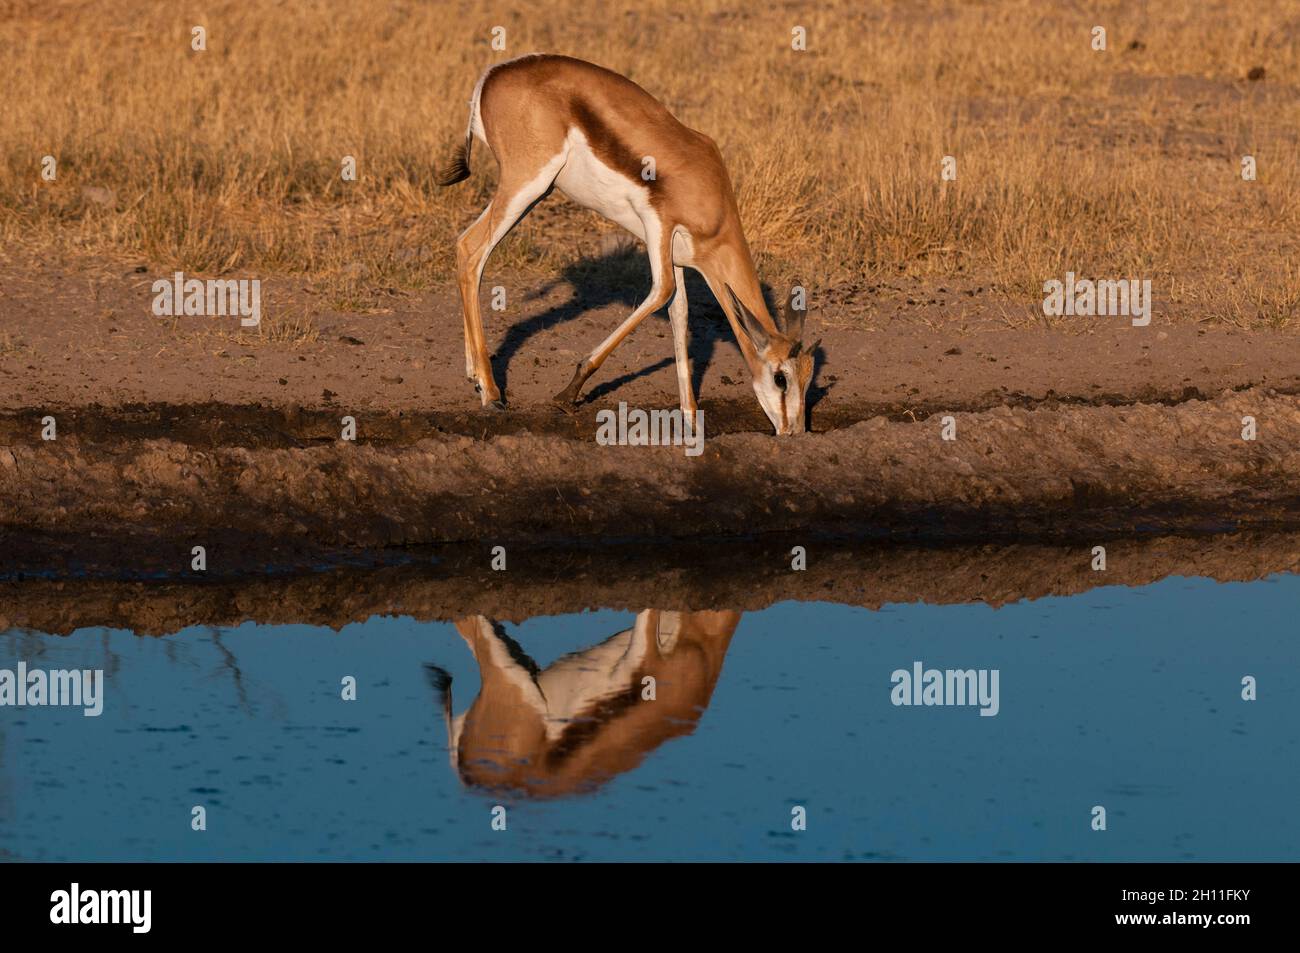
594, 185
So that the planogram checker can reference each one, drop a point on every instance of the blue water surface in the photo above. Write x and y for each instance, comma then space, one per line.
1125, 698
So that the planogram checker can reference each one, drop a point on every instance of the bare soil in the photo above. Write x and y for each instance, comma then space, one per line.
84, 335
176, 432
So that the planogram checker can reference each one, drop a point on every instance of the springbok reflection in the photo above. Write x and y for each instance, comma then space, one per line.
587, 717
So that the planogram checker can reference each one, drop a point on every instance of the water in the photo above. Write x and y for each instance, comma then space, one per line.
1127, 698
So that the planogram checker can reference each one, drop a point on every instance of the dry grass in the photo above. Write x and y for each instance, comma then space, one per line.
1123, 163
10, 346
284, 329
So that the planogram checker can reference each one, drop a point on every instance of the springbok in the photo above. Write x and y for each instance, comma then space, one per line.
585, 718
558, 122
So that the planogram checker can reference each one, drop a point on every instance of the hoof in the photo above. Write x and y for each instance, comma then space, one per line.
492, 401
568, 398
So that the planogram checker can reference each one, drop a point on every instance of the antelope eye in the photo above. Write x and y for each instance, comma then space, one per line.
779, 378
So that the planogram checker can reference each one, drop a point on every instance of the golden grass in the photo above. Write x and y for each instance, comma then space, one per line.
1116, 164
284, 329
10, 346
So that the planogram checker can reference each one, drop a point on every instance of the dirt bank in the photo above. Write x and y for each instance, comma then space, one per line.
451, 582
1010, 473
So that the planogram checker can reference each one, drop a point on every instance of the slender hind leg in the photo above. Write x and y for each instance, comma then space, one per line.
465, 237
471, 252
681, 341
515, 196
661, 267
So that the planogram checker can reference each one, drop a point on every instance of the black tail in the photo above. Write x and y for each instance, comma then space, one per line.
439, 680
457, 168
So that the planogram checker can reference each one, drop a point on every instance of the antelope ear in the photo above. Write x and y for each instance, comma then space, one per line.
749, 322
804, 367
805, 364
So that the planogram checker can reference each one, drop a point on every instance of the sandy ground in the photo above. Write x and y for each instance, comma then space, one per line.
85, 337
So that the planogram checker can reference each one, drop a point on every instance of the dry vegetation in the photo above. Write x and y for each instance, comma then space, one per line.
1122, 163
9, 345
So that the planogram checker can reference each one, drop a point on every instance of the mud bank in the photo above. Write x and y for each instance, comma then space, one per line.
1049, 472
452, 582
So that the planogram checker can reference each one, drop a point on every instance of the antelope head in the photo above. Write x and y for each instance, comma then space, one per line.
783, 369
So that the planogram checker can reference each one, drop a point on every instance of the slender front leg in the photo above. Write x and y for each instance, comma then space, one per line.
681, 342
660, 292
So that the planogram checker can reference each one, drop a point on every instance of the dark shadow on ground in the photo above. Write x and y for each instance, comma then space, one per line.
816, 389
620, 277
